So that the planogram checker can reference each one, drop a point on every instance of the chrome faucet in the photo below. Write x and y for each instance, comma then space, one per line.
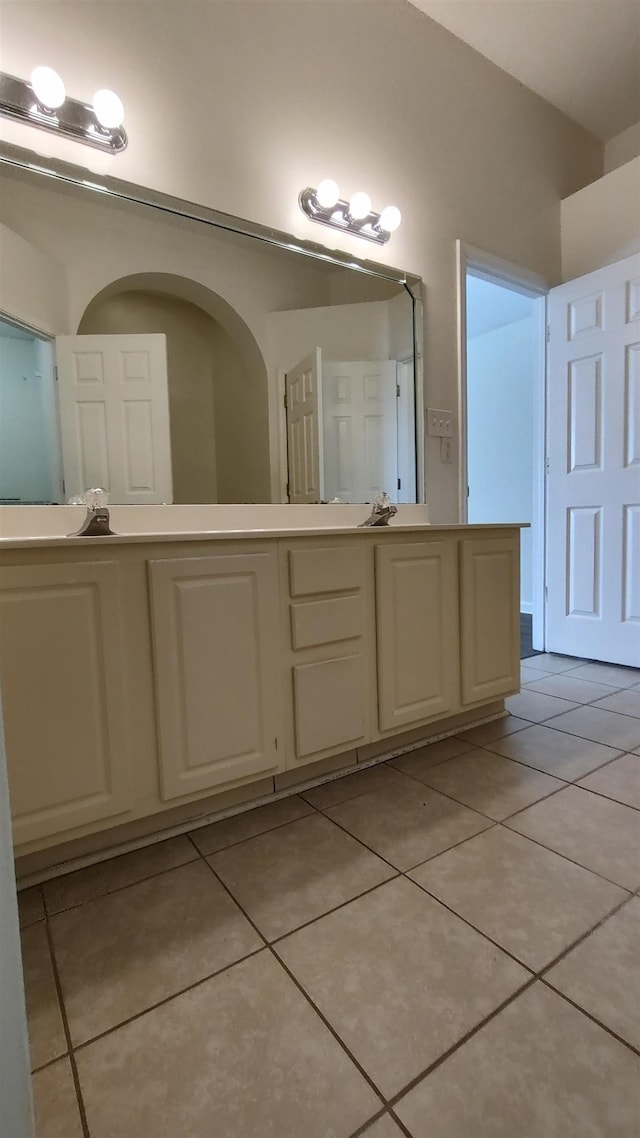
382, 511
96, 522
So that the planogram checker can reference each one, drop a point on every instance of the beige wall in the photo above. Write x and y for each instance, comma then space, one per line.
241, 105
33, 286
622, 148
601, 224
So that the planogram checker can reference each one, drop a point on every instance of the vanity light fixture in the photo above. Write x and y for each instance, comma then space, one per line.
43, 102
354, 216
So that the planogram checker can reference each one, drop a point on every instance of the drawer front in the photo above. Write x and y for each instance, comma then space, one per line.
325, 570
329, 704
326, 621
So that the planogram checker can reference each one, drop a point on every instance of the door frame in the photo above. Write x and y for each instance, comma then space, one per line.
519, 279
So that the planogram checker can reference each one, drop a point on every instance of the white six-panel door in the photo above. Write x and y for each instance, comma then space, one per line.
593, 478
360, 429
303, 401
114, 416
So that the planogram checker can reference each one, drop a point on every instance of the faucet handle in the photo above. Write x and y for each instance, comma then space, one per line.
95, 499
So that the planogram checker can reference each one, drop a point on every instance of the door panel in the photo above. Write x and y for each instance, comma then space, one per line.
215, 634
61, 672
304, 429
416, 618
489, 618
360, 429
593, 486
114, 416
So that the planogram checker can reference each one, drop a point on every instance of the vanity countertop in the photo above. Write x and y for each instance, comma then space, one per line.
49, 526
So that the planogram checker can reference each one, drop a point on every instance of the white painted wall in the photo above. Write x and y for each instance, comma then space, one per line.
623, 148
241, 105
343, 331
601, 223
500, 402
28, 422
16, 1112
33, 286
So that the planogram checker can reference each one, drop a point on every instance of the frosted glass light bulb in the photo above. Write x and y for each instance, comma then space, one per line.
390, 218
359, 206
48, 87
327, 193
108, 109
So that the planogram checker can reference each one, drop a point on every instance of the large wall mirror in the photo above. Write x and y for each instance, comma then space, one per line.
198, 358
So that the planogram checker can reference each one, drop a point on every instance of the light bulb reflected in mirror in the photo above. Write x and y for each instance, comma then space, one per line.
108, 109
327, 193
390, 218
48, 87
359, 206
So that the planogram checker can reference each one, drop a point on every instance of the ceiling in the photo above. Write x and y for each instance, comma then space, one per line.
583, 56
490, 306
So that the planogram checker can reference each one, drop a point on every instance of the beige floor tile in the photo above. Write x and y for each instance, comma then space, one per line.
408, 823
30, 906
531, 901
229, 831
116, 872
566, 686
626, 702
540, 1069
416, 761
600, 835
535, 707
55, 1102
491, 784
498, 729
46, 1031
549, 662
292, 875
611, 675
620, 731
564, 756
242, 1055
119, 954
351, 785
601, 973
385, 1127
527, 673
619, 780
411, 980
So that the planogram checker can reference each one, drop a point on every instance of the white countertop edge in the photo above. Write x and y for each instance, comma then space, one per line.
52, 541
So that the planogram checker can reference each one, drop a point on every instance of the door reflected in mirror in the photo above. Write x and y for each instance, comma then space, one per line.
183, 355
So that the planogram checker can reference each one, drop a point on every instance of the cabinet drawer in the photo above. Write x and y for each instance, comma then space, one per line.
325, 570
326, 621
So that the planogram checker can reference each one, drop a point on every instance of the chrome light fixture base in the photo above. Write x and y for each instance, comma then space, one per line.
73, 119
338, 217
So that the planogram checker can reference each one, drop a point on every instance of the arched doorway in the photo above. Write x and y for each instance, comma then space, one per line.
217, 381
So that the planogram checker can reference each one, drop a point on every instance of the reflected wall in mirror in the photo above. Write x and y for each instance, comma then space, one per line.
176, 343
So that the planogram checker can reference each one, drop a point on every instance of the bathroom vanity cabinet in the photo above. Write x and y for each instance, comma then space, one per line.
148, 681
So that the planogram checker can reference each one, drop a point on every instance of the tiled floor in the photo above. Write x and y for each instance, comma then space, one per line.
443, 946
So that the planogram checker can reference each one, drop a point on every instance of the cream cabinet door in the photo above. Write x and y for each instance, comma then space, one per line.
215, 643
61, 675
490, 617
417, 626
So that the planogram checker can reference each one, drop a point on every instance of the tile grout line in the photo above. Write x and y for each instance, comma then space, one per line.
537, 842
460, 1042
298, 985
589, 1015
570, 782
268, 945
167, 1000
67, 1032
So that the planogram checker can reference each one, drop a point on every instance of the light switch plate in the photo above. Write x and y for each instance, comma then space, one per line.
439, 423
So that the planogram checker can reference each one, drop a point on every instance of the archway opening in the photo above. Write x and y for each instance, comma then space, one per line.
217, 382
